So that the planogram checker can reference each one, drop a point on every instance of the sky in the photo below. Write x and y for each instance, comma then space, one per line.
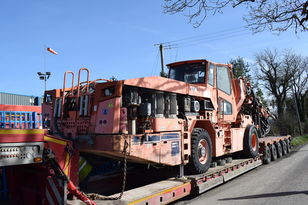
116, 38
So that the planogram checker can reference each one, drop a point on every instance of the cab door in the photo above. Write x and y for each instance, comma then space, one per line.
225, 99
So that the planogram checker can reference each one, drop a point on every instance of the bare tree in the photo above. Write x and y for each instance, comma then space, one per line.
279, 73
299, 82
299, 65
275, 76
276, 15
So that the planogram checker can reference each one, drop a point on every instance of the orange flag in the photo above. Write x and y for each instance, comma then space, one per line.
52, 51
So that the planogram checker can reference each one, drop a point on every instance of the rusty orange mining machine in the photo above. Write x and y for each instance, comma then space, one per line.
198, 113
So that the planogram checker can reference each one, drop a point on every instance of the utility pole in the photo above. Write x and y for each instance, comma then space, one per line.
161, 49
44, 76
296, 108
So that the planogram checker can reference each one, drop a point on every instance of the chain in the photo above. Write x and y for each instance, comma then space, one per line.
95, 196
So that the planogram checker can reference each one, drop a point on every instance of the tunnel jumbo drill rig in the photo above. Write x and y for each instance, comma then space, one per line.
199, 112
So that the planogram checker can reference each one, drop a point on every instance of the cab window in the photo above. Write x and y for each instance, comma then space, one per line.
211, 74
189, 72
223, 79
225, 107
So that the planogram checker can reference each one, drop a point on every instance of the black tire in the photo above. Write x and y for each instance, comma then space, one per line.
284, 147
273, 152
279, 149
251, 142
288, 145
201, 156
229, 160
267, 155
221, 162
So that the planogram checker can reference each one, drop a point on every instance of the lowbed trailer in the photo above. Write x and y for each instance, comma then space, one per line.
172, 189
51, 183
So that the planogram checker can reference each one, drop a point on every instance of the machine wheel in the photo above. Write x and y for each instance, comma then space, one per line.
251, 142
284, 147
201, 151
213, 164
267, 155
279, 149
273, 152
288, 145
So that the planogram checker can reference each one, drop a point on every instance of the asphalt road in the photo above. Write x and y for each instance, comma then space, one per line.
282, 182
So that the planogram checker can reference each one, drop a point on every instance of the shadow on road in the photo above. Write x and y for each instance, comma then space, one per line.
304, 150
278, 194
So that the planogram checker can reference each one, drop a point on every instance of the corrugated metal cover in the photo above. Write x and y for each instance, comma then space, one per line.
15, 99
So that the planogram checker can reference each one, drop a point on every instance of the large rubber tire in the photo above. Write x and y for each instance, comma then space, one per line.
288, 145
279, 149
267, 155
284, 147
273, 152
251, 142
201, 151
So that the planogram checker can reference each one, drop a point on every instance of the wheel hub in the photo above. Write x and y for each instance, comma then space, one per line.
203, 149
254, 142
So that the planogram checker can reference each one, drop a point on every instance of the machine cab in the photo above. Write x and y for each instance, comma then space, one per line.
188, 71
216, 77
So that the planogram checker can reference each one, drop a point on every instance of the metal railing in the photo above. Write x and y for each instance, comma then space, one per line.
20, 120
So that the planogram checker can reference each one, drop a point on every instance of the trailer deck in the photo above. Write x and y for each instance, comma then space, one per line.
172, 189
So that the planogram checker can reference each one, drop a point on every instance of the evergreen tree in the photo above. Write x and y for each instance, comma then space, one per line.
240, 68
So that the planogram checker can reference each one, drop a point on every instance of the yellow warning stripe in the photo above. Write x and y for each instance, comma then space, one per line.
61, 142
67, 161
22, 131
50, 139
160, 193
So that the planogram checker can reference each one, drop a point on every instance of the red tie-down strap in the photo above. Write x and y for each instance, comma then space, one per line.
80, 195
72, 189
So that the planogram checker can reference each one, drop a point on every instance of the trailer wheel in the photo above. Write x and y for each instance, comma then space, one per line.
279, 149
229, 160
221, 162
251, 142
201, 151
273, 152
284, 147
267, 155
288, 145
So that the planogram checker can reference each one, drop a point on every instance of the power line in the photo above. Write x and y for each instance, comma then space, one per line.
205, 35
209, 39
200, 39
155, 63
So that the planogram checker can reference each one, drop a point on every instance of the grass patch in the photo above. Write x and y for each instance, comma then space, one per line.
299, 140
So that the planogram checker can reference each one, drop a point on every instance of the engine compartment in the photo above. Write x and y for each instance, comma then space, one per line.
146, 107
